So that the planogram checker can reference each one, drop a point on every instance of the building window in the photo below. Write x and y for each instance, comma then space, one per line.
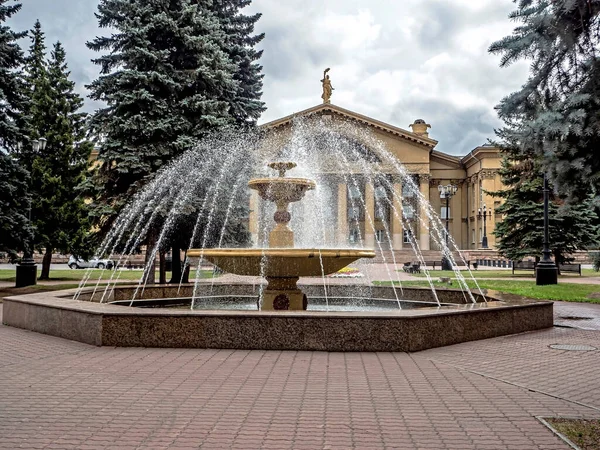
406, 236
473, 238
354, 236
408, 211
408, 191
354, 213
354, 193
445, 213
380, 193
380, 235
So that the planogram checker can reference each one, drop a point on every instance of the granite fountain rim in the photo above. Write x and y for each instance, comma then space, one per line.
62, 299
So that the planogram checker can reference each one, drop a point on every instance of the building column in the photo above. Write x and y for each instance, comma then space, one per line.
397, 231
424, 220
253, 216
369, 215
342, 215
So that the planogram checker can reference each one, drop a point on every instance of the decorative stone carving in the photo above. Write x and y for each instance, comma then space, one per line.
488, 173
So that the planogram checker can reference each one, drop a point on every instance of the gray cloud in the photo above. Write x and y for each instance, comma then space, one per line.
394, 61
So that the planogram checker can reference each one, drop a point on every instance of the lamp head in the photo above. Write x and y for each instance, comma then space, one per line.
43, 142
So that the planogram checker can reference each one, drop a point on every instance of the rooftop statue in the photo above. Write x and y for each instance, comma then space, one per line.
327, 88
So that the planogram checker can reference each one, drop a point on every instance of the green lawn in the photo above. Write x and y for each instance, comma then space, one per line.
502, 274
78, 274
567, 292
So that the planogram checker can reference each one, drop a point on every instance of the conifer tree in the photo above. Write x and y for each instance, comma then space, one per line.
168, 79
15, 229
555, 113
239, 44
12, 100
520, 234
58, 211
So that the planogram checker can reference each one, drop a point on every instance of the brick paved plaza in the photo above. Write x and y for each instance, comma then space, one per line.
481, 395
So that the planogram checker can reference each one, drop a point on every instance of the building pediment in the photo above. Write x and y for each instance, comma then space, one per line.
377, 125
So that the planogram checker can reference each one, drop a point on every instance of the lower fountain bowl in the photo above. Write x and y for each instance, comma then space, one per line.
429, 325
281, 262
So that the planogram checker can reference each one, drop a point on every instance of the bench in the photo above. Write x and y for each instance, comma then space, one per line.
570, 268
432, 264
410, 267
523, 265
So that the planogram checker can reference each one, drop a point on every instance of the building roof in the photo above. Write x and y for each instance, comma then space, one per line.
328, 107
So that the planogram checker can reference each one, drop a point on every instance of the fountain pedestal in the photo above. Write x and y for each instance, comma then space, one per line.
283, 294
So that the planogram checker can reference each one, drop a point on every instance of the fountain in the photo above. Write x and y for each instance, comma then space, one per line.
282, 264
240, 310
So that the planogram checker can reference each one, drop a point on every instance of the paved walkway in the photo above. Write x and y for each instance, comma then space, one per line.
481, 395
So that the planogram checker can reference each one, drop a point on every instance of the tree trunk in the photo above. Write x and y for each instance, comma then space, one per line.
150, 272
556, 256
186, 272
162, 268
176, 264
46, 264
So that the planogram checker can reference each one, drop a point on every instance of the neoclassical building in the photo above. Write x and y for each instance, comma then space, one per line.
474, 175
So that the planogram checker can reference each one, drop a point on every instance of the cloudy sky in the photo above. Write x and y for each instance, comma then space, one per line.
395, 61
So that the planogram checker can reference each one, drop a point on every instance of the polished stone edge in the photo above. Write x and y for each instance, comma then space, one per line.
109, 325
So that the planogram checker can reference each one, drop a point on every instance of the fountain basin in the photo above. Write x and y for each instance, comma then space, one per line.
282, 268
56, 313
281, 262
277, 189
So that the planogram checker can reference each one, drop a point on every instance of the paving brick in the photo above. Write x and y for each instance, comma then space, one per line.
486, 394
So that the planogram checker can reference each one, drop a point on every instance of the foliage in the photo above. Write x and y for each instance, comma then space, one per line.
595, 260
12, 100
164, 79
244, 103
521, 232
59, 212
172, 72
15, 230
556, 112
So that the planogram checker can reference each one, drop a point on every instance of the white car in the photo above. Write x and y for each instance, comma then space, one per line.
94, 263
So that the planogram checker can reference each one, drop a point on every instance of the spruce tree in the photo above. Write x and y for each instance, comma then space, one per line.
239, 44
59, 214
168, 79
12, 100
561, 38
15, 228
163, 79
521, 232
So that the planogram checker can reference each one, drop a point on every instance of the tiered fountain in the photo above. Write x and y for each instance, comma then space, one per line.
209, 181
282, 264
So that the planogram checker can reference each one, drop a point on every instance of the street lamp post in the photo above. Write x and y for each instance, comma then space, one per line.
446, 192
546, 271
483, 214
27, 269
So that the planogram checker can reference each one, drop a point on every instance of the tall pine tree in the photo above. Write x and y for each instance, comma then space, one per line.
172, 73
12, 100
239, 44
59, 213
561, 38
15, 228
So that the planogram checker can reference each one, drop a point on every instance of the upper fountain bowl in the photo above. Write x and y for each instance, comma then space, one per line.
282, 189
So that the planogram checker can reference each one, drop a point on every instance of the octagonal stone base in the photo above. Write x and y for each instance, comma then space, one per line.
55, 313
